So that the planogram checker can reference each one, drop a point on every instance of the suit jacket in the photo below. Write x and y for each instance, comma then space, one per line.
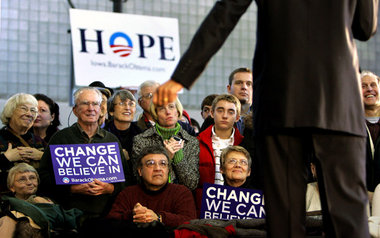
305, 69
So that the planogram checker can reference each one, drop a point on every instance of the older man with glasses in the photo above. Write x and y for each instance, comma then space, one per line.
93, 198
145, 93
154, 200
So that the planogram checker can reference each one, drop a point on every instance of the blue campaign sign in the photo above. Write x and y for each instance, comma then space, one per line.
226, 203
82, 163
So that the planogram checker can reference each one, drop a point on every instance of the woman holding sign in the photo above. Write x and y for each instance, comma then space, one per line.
16, 143
236, 166
183, 148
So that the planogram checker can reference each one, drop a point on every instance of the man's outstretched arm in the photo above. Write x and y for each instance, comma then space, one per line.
208, 39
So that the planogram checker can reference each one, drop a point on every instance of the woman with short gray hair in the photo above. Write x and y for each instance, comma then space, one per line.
23, 181
16, 143
236, 166
122, 109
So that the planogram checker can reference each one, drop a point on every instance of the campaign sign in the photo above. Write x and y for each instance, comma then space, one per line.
123, 50
226, 203
82, 163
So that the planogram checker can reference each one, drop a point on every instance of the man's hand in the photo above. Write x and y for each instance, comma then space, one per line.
167, 92
93, 188
142, 214
101, 187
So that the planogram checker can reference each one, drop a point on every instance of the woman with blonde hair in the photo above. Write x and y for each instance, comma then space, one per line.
183, 149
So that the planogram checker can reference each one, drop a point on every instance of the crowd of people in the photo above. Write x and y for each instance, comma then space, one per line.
166, 161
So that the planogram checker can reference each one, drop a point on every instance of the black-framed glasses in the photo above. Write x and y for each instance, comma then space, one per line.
161, 163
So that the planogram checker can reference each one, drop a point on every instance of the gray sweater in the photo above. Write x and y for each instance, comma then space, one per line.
185, 171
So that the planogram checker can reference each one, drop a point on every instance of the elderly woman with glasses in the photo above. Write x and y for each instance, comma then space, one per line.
23, 182
236, 166
183, 149
16, 143
122, 110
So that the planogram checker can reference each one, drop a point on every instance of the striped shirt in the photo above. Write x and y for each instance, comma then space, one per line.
218, 145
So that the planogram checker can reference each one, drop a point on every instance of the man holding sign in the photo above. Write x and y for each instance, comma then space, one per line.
86, 158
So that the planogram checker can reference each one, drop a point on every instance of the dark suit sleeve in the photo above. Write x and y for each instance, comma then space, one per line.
209, 38
365, 19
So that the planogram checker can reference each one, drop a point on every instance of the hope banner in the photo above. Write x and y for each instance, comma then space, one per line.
82, 163
123, 50
226, 203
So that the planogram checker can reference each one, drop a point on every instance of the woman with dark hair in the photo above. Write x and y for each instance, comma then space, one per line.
47, 121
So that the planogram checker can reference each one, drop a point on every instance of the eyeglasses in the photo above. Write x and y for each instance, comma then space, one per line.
32, 110
169, 107
235, 161
161, 163
24, 179
147, 96
123, 104
87, 103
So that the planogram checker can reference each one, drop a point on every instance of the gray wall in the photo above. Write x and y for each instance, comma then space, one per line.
35, 49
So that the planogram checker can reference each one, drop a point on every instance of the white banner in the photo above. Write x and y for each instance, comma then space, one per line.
123, 49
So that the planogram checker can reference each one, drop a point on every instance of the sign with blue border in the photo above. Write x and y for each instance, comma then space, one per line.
226, 203
82, 163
